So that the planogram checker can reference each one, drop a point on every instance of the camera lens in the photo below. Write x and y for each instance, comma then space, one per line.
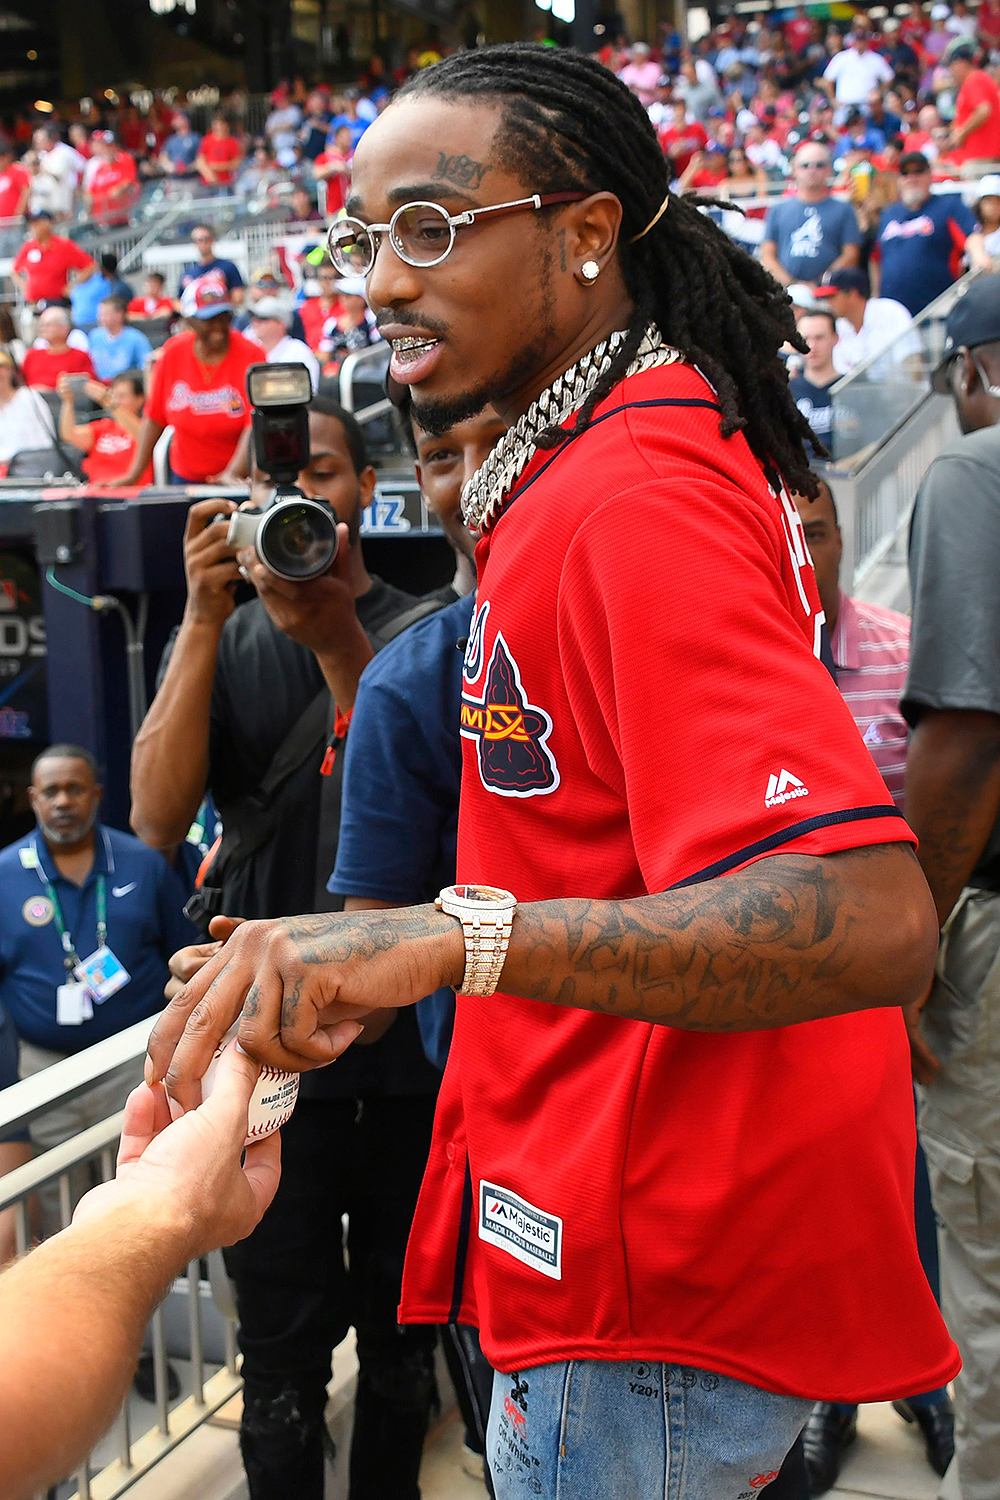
298, 539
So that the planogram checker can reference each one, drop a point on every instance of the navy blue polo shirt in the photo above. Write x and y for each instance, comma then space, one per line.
919, 248
8, 1067
145, 925
402, 774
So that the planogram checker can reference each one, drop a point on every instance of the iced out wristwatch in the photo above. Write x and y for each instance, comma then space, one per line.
486, 914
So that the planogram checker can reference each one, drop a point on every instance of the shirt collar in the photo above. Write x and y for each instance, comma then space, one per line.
845, 641
104, 859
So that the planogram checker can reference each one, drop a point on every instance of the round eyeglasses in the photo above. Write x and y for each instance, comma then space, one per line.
422, 234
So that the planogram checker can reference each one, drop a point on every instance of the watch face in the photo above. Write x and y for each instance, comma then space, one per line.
489, 895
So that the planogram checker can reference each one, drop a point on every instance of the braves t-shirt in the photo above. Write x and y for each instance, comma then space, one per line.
644, 707
206, 405
112, 453
920, 248
105, 179
811, 236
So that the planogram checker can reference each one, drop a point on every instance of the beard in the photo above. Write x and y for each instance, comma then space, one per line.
69, 833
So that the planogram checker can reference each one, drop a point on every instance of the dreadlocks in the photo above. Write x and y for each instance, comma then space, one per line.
568, 123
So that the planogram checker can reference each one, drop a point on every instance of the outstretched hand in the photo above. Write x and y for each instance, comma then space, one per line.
303, 985
192, 1167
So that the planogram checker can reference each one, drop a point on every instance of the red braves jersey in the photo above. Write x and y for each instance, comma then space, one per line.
643, 708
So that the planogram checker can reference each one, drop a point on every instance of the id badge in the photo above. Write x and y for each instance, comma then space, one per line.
73, 1005
102, 974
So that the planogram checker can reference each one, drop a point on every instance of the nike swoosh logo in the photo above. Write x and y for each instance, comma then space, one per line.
123, 890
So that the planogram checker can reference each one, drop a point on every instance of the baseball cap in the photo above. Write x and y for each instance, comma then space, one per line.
864, 142
206, 298
844, 279
803, 296
989, 186
913, 160
38, 213
974, 319
940, 12
107, 136
271, 307
266, 277
961, 46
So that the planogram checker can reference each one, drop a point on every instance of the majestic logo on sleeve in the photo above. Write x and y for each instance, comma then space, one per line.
511, 734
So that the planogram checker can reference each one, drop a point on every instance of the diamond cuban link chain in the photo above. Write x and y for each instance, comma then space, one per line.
492, 482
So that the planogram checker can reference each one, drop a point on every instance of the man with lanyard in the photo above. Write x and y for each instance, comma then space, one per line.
631, 1117
88, 918
952, 703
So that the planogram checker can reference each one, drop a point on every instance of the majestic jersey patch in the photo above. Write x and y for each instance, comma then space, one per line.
525, 1232
511, 734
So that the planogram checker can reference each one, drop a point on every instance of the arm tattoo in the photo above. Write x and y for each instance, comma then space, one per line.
461, 170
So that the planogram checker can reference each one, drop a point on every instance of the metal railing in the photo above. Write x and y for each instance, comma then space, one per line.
95, 1147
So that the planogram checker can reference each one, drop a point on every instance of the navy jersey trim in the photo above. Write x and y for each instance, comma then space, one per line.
596, 421
462, 1248
786, 836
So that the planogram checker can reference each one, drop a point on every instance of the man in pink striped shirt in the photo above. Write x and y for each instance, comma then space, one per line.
871, 649
871, 646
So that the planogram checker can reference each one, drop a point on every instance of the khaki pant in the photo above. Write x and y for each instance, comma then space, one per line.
960, 1132
64, 1121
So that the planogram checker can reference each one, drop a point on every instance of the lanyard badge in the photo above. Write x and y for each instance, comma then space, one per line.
100, 975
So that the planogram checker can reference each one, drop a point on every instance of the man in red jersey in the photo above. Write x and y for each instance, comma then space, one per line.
45, 262
673, 843
111, 186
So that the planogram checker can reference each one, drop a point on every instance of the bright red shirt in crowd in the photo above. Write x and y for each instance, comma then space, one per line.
693, 138
314, 316
709, 177
222, 152
42, 367
205, 404
988, 22
105, 178
12, 186
112, 454
338, 185
798, 33
150, 307
46, 272
983, 144
644, 707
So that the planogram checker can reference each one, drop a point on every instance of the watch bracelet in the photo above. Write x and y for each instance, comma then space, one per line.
484, 964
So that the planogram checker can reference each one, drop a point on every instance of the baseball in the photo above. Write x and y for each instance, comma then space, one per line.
271, 1102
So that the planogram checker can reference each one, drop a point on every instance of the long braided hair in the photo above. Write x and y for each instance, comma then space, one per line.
568, 123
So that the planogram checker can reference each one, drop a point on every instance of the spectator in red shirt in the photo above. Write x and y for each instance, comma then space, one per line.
988, 24
975, 132
42, 367
682, 138
109, 443
14, 184
43, 264
333, 166
316, 312
152, 303
79, 139
111, 184
220, 156
704, 171
200, 389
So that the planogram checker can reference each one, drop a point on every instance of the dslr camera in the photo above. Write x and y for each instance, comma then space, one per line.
293, 536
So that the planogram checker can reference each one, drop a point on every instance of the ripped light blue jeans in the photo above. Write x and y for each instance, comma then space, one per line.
592, 1430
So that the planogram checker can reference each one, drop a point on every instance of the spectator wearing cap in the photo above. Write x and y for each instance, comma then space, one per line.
179, 153
43, 366
266, 282
111, 183
269, 320
219, 159
641, 74
114, 346
852, 73
203, 239
987, 211
45, 263
974, 141
812, 233
199, 389
952, 704
350, 329
922, 238
866, 324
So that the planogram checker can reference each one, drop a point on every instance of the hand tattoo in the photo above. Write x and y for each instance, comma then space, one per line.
461, 170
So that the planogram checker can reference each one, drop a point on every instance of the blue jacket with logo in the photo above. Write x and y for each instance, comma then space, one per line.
145, 925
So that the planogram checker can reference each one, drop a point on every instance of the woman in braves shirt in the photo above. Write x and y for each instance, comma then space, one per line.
109, 443
199, 389
677, 1111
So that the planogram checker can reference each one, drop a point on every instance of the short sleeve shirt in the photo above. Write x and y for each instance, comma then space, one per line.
223, 154
983, 143
12, 185
644, 707
195, 269
46, 271
955, 580
921, 248
207, 405
111, 454
810, 236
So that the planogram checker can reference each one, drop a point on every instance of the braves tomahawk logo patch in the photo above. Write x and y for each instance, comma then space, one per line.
511, 734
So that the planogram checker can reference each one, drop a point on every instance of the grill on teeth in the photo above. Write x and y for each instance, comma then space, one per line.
403, 344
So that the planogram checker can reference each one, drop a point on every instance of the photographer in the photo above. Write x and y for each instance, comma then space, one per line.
250, 700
